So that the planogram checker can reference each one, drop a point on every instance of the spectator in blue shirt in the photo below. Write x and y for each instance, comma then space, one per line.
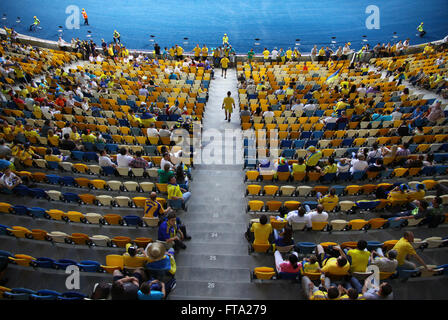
154, 290
171, 230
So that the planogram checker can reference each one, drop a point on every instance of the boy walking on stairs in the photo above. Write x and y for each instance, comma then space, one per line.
228, 104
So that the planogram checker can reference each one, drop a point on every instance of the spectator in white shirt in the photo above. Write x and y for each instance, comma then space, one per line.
362, 88
9, 180
297, 107
274, 54
152, 131
164, 132
269, 113
343, 165
376, 153
396, 115
166, 160
318, 215
143, 92
105, 161
309, 107
359, 164
298, 216
123, 158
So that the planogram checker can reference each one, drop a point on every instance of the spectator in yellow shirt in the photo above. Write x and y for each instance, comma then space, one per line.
359, 257
204, 52
228, 104
49, 156
224, 65
197, 52
261, 231
175, 192
53, 139
405, 250
266, 54
179, 52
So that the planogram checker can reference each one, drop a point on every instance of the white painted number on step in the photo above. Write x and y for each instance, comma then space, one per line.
212, 258
214, 235
215, 215
211, 285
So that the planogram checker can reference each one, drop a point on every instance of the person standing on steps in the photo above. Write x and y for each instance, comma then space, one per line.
228, 104
420, 30
35, 24
224, 65
84, 15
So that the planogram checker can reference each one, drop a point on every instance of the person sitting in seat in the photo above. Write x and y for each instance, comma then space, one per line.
298, 167
331, 167
154, 290
387, 263
165, 173
329, 199
155, 209
123, 158
125, 287
104, 160
9, 180
171, 231
381, 292
49, 156
175, 192
139, 162
284, 238
358, 257
313, 159
311, 264
318, 215
260, 232
291, 265
134, 256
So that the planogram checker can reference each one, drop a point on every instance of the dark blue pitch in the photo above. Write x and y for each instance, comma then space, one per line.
275, 23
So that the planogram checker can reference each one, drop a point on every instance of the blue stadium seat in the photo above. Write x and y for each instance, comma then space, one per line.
395, 224
90, 156
70, 197
20, 210
62, 264
288, 153
305, 247
108, 170
77, 155
21, 190
37, 212
111, 147
328, 178
53, 178
311, 204
38, 193
54, 165
299, 144
88, 146
372, 245
285, 144
428, 171
67, 181
45, 295
358, 175
344, 176
71, 295
306, 134
43, 262
367, 204
132, 220
89, 266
